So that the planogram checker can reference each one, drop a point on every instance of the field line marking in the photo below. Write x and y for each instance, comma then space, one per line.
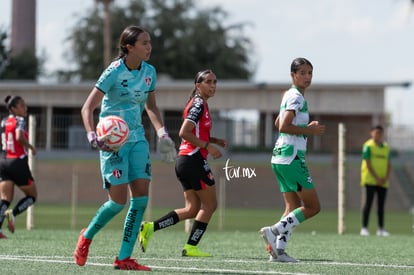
409, 266
221, 270
189, 269
55, 259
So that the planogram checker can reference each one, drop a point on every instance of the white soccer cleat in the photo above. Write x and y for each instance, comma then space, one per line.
283, 258
270, 239
382, 233
364, 232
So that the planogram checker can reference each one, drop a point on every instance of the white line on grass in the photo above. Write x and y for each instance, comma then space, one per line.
300, 262
39, 259
56, 259
221, 270
365, 264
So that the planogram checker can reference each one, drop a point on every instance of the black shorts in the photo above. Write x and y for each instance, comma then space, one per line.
16, 170
193, 172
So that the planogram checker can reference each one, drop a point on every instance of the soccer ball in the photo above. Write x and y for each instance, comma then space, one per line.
114, 130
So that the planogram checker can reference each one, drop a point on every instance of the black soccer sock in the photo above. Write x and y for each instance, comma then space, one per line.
3, 207
197, 232
23, 204
166, 221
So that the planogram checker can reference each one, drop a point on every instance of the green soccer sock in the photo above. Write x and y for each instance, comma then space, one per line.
104, 214
132, 224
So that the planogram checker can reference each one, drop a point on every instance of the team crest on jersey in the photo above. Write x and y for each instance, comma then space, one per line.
148, 81
117, 173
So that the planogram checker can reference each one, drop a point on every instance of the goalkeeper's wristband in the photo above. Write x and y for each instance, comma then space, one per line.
162, 132
91, 136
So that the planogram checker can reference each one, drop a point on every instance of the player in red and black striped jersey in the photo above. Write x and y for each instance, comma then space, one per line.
197, 113
192, 169
14, 167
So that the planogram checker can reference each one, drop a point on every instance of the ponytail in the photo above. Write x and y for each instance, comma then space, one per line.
11, 101
200, 76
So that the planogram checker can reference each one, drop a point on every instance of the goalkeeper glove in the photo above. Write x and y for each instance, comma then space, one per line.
166, 145
98, 143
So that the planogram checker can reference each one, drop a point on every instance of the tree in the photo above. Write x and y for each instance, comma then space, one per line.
184, 39
3, 51
185, 43
24, 65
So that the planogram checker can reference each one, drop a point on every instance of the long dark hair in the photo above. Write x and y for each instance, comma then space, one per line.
200, 76
128, 36
12, 101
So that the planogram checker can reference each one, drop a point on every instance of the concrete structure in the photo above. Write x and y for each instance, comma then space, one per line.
23, 34
358, 105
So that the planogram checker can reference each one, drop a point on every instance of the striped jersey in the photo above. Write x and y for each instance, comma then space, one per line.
10, 145
197, 112
288, 146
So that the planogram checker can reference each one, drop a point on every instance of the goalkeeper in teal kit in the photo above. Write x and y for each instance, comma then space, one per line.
125, 89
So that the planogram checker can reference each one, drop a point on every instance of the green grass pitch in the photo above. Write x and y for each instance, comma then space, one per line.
234, 242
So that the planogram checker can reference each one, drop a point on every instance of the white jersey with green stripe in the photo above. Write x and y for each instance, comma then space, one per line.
289, 146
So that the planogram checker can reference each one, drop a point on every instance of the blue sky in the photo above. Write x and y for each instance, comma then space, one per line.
366, 41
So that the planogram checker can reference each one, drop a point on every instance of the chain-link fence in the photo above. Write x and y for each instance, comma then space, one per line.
66, 132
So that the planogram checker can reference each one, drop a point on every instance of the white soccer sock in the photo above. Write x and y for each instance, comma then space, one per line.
286, 224
282, 241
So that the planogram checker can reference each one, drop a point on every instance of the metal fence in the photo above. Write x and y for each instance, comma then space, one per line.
66, 132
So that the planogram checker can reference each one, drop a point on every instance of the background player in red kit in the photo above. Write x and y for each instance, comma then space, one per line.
14, 167
192, 169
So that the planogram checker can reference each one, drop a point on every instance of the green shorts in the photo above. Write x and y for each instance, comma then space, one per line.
294, 176
131, 162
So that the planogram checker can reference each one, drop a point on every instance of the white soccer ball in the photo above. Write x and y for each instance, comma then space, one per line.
113, 130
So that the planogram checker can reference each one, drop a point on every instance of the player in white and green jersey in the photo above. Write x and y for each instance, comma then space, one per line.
288, 162
289, 146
